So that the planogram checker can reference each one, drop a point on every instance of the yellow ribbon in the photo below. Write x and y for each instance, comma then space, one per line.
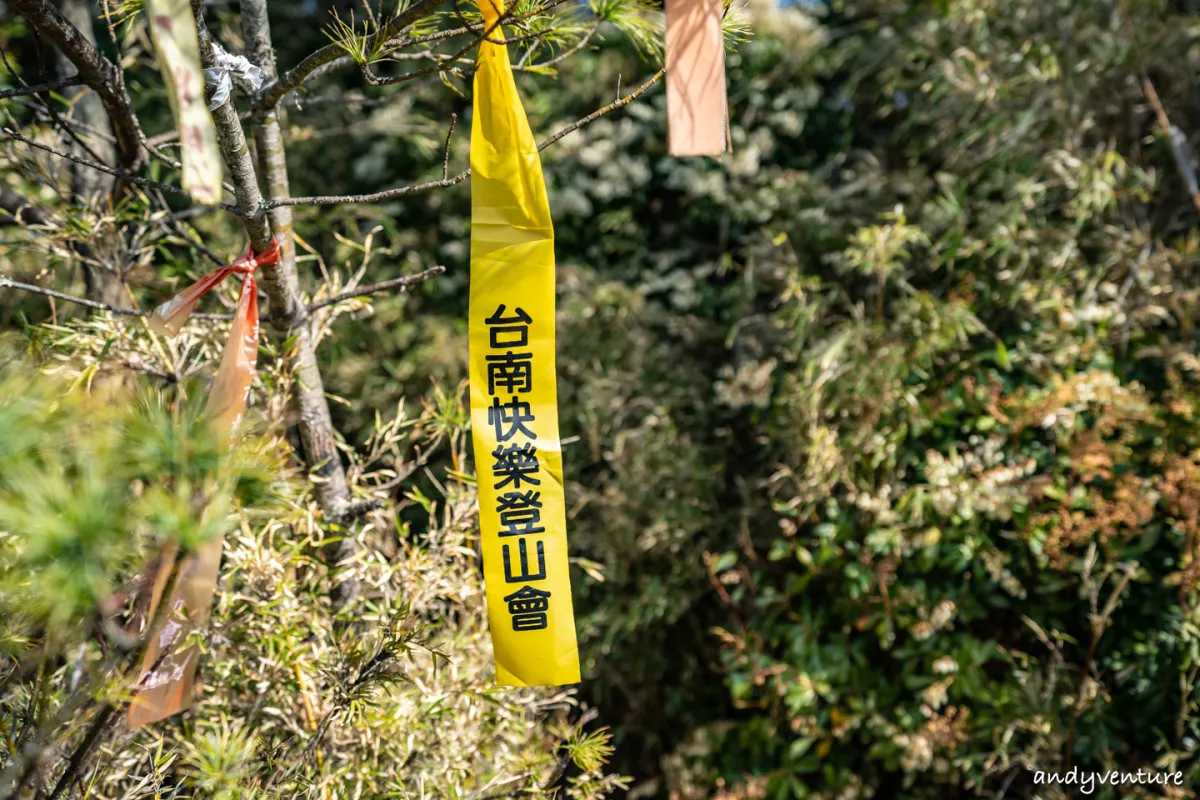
514, 402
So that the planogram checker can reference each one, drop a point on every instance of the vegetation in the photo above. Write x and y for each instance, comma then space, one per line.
880, 432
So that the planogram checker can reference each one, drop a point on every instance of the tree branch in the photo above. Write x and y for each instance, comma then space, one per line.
95, 70
165, 187
403, 191
443, 66
446, 156
272, 93
333, 57
22, 210
9, 283
49, 86
317, 435
608, 109
375, 197
398, 285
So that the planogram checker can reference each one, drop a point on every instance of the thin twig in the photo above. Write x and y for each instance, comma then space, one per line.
394, 285
565, 54
404, 191
103, 718
173, 164
49, 86
178, 226
166, 187
70, 130
1176, 139
9, 283
398, 285
1099, 623
446, 157
608, 109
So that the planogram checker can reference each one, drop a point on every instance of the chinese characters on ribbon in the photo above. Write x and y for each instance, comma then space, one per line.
516, 466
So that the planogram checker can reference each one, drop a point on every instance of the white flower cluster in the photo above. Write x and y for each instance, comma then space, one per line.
976, 482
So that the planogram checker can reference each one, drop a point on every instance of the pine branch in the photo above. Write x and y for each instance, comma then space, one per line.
271, 94
564, 55
444, 66
333, 57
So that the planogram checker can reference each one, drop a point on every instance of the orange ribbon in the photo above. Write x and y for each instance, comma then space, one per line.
168, 671
232, 383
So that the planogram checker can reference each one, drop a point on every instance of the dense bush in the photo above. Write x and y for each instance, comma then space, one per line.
913, 373
885, 420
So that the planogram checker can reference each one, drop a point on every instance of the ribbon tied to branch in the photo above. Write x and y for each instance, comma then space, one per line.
232, 383
168, 670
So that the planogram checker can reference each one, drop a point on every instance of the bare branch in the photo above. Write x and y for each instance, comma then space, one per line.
398, 285
404, 191
9, 283
446, 157
103, 76
608, 109
49, 86
165, 187
376, 197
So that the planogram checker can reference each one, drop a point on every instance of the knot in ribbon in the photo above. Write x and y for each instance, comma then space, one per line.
231, 386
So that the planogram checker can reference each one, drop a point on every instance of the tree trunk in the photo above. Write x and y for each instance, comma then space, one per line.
281, 283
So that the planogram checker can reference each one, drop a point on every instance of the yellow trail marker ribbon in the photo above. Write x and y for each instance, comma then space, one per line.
173, 29
514, 400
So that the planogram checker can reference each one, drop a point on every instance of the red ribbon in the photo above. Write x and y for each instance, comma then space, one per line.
168, 670
231, 386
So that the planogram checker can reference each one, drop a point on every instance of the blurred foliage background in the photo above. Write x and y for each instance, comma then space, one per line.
881, 431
